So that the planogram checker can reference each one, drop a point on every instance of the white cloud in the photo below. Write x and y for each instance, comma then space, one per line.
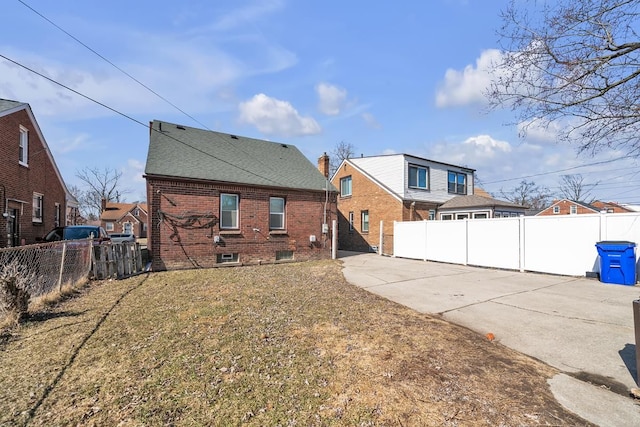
331, 99
272, 116
247, 14
486, 146
539, 132
469, 85
371, 120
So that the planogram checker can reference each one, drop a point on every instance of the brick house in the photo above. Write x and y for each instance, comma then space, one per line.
217, 199
397, 187
124, 218
572, 207
33, 196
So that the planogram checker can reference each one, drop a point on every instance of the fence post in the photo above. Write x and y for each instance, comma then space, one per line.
521, 243
636, 327
64, 252
334, 239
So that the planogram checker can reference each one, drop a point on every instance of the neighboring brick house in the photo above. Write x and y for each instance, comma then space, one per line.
216, 198
572, 207
124, 218
397, 187
33, 195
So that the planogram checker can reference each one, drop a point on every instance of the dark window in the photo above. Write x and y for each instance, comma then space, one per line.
457, 183
364, 216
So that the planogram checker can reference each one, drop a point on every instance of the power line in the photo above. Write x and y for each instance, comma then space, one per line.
112, 64
265, 165
558, 171
131, 118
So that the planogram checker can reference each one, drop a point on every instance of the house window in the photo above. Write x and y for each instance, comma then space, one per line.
37, 207
56, 219
573, 209
351, 221
432, 214
23, 154
228, 211
462, 216
556, 209
457, 183
418, 177
446, 217
127, 228
276, 213
345, 186
136, 212
109, 226
364, 217
224, 258
282, 255
497, 215
480, 215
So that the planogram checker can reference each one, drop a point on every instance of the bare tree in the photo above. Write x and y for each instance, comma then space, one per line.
528, 194
573, 63
573, 187
100, 184
343, 150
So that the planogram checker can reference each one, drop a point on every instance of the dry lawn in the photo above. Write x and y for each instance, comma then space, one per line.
275, 345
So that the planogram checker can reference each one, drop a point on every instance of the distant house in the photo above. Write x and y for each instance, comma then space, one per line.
397, 187
128, 218
475, 207
33, 195
217, 199
572, 207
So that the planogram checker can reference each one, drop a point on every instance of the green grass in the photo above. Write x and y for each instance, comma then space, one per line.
290, 344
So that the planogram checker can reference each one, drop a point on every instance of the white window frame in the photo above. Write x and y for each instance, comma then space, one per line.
280, 216
480, 215
573, 210
23, 153
364, 221
38, 207
556, 209
462, 216
418, 169
432, 214
446, 217
235, 223
346, 192
108, 226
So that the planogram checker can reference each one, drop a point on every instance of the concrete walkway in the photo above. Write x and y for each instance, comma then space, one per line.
580, 326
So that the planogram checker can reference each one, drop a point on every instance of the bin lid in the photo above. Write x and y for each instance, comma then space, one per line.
616, 243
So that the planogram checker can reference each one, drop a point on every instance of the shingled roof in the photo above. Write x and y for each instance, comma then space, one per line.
186, 152
473, 201
6, 104
115, 211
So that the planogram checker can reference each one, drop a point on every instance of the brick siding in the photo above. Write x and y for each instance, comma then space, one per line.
185, 222
20, 182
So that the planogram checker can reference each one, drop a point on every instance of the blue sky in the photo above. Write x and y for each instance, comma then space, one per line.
401, 77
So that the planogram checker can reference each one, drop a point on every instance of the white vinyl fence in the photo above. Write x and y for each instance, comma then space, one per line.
563, 245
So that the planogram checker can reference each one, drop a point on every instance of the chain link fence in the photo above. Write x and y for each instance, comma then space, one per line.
47, 267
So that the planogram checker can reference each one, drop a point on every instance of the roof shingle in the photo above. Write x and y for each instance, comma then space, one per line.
186, 152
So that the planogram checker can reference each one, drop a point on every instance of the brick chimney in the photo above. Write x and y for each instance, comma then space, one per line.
103, 205
323, 165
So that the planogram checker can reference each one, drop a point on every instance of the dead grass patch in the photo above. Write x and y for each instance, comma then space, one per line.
289, 344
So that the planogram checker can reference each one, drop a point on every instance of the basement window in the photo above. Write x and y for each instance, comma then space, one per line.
284, 255
224, 258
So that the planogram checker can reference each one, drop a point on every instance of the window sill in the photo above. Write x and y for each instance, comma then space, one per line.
346, 196
278, 233
230, 232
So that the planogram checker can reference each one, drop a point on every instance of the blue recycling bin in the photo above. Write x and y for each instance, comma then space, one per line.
617, 262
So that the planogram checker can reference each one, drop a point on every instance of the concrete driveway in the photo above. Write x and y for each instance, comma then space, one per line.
580, 326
